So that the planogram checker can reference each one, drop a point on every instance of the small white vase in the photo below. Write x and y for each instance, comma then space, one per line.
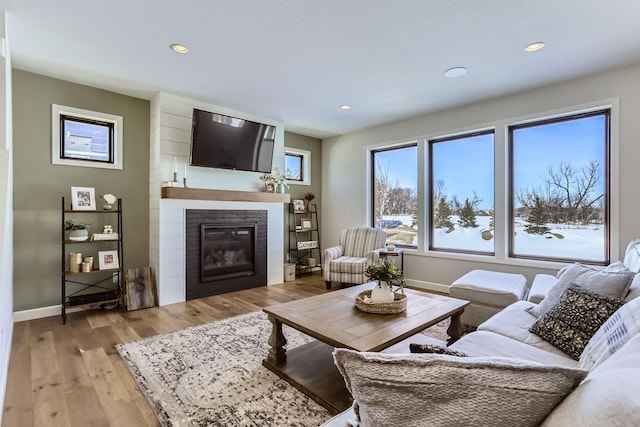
107, 207
382, 293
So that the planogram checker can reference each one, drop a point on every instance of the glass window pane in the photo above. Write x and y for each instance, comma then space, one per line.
293, 166
559, 189
86, 139
395, 188
462, 188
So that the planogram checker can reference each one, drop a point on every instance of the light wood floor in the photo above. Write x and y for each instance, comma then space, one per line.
72, 375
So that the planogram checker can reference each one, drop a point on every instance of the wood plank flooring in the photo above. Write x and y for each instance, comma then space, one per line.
72, 375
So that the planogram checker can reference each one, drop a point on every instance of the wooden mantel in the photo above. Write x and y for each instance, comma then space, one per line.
223, 195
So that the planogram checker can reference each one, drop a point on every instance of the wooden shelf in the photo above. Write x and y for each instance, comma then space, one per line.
224, 195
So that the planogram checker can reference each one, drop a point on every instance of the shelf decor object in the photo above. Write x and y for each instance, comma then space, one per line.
398, 305
81, 284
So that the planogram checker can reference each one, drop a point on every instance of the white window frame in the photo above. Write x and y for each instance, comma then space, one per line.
306, 165
501, 192
56, 159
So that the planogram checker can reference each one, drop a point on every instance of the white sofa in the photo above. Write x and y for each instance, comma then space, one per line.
610, 393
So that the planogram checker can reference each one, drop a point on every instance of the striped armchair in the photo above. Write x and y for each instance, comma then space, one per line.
359, 248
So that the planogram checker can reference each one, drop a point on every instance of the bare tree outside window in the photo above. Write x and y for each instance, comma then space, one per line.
395, 197
559, 190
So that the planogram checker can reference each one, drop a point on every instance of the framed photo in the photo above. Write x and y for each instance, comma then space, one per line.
306, 224
108, 260
83, 199
298, 205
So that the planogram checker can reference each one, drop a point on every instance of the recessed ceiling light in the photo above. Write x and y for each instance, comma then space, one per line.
179, 48
455, 72
345, 107
534, 47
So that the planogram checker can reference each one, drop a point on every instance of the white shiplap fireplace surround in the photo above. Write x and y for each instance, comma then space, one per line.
171, 118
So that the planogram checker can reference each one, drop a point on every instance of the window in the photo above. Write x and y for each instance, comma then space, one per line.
294, 166
559, 188
297, 165
86, 138
395, 189
462, 193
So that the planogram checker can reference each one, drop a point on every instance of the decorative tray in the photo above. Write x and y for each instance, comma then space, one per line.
364, 303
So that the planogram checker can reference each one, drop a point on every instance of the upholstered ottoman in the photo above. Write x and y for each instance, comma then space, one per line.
489, 292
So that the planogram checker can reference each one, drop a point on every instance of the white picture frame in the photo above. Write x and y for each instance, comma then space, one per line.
298, 205
83, 198
306, 224
108, 260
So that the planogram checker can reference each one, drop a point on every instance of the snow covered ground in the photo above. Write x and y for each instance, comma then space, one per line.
584, 242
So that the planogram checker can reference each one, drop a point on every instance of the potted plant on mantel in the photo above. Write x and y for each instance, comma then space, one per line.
275, 181
387, 275
77, 230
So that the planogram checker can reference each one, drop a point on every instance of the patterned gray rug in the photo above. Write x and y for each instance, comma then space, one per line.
211, 375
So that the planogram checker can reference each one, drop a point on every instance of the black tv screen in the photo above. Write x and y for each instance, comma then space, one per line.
219, 141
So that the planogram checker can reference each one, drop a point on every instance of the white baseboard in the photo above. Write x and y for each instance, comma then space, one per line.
429, 286
39, 313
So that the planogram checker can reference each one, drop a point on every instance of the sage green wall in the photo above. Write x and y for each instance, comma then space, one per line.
39, 185
314, 146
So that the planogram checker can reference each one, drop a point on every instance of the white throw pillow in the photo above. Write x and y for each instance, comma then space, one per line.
614, 284
441, 390
632, 256
623, 325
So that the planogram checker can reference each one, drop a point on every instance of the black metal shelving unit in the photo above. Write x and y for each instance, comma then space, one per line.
303, 230
95, 286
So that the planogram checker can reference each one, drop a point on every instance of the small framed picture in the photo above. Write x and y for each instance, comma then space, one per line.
83, 199
298, 205
108, 260
306, 224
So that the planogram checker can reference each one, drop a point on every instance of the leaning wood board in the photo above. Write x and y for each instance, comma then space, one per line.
139, 288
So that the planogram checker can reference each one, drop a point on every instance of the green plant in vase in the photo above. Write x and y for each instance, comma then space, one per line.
77, 229
386, 275
277, 180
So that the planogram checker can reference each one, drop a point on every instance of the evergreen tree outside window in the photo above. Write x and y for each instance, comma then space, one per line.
462, 169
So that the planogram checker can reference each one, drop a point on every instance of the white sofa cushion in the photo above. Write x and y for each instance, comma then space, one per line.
609, 396
441, 390
487, 344
616, 332
540, 287
634, 289
514, 322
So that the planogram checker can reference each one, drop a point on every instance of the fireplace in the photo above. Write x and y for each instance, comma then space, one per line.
226, 251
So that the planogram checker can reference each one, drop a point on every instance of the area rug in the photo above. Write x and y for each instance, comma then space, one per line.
212, 375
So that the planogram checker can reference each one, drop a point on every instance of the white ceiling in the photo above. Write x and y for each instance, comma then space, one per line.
296, 61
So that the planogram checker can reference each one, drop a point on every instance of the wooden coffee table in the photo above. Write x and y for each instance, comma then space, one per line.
334, 321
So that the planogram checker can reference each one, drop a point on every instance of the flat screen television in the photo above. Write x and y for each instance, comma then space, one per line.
220, 141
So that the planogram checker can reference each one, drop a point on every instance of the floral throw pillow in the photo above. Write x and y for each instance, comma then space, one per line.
578, 314
430, 348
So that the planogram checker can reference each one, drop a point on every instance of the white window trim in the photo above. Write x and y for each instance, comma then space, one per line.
306, 165
57, 110
501, 192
